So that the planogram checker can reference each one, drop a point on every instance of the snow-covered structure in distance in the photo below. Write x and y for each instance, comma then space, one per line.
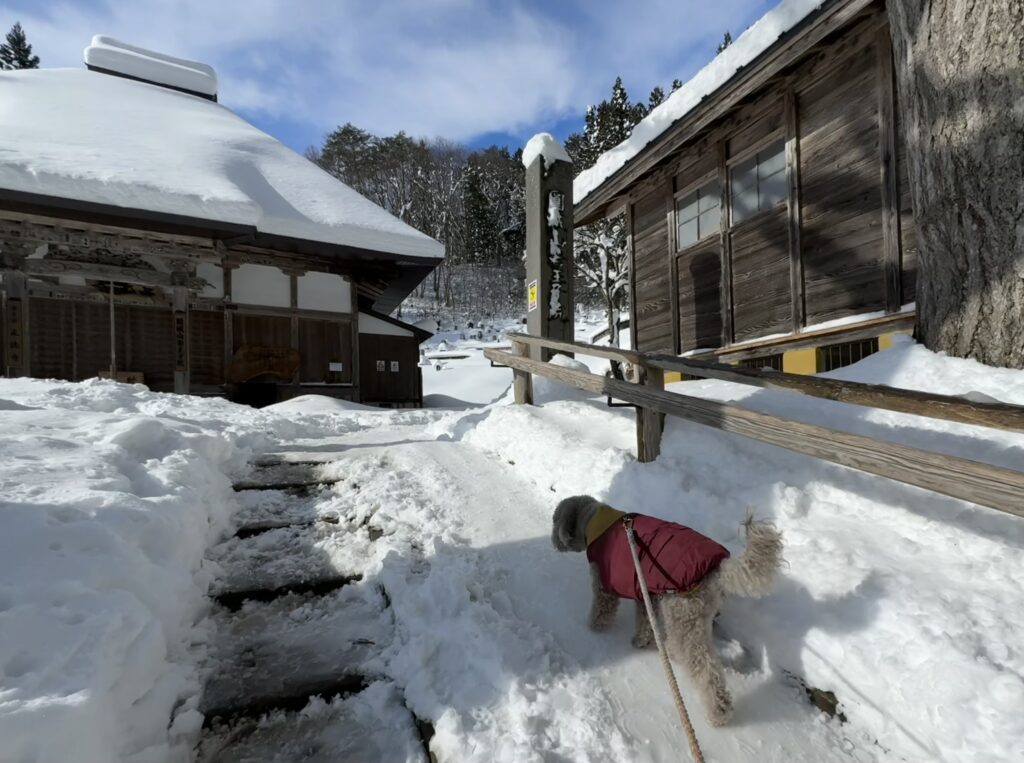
767, 198
149, 232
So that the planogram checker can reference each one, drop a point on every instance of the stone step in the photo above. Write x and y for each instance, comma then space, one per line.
288, 557
289, 476
281, 508
373, 725
278, 654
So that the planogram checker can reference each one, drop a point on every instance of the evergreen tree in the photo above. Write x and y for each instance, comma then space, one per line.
676, 84
15, 52
725, 43
655, 99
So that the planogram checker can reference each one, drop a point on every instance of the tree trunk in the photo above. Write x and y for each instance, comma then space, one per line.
960, 78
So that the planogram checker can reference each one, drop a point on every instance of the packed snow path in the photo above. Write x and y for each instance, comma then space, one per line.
416, 579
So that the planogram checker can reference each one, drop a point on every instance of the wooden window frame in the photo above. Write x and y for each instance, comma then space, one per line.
779, 137
706, 179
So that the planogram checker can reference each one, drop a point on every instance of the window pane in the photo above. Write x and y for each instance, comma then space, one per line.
709, 196
744, 203
709, 221
686, 233
771, 160
772, 190
686, 208
744, 174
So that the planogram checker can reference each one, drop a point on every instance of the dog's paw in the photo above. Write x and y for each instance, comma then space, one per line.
642, 641
720, 713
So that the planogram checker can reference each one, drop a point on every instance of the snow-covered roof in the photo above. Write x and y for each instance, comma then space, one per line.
748, 46
103, 139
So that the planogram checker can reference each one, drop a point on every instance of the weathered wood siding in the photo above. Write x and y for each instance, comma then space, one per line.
261, 331
908, 235
387, 386
651, 271
206, 348
322, 342
699, 271
762, 303
841, 230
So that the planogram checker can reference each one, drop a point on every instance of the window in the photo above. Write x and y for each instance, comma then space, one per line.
698, 214
759, 183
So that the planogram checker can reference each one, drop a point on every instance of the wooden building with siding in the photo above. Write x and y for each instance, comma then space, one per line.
770, 224
158, 237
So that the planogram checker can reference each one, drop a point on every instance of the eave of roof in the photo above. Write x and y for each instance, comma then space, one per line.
830, 15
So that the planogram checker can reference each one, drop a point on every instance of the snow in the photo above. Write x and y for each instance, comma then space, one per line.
904, 603
716, 73
144, 147
116, 56
546, 145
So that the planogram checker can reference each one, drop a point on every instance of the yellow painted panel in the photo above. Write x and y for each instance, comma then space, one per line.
803, 361
673, 376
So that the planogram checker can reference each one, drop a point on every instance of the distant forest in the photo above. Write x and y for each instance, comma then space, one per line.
473, 202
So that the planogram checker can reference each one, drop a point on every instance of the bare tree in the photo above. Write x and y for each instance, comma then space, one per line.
602, 258
960, 76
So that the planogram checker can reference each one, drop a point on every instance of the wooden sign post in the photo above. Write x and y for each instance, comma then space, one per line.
549, 256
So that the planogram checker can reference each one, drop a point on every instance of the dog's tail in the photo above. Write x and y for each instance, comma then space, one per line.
752, 573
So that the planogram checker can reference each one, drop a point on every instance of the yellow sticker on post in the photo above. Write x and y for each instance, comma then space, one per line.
531, 290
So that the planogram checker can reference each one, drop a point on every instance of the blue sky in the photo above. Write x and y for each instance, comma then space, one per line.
477, 71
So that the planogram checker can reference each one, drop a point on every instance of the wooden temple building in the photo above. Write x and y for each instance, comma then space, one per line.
768, 209
150, 234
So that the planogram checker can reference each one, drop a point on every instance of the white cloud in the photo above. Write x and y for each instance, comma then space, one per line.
453, 68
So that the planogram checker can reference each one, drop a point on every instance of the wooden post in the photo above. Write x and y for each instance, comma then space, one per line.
549, 256
182, 349
649, 424
522, 382
16, 324
725, 283
891, 253
796, 262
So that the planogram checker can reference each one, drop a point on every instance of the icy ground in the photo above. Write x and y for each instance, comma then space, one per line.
118, 517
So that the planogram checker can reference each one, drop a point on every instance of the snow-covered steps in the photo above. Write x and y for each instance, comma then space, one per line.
276, 655
290, 558
373, 725
288, 475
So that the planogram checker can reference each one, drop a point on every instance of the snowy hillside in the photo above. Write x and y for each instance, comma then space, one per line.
118, 518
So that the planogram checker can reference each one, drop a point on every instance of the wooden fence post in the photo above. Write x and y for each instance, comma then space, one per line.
649, 424
522, 381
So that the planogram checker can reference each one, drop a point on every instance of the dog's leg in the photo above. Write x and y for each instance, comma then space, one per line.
603, 606
688, 623
643, 637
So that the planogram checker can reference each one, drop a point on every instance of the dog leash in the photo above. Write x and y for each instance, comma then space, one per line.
695, 752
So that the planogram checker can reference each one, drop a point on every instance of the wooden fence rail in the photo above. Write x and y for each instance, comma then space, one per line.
947, 407
973, 481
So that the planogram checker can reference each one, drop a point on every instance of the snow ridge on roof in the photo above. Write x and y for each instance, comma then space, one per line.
116, 56
748, 46
145, 147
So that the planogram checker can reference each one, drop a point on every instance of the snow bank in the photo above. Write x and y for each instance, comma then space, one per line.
114, 55
904, 603
141, 146
748, 46
544, 144
109, 496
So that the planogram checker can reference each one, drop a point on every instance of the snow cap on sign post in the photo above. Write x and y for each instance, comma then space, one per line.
546, 145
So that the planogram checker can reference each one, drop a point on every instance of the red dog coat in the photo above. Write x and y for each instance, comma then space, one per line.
674, 558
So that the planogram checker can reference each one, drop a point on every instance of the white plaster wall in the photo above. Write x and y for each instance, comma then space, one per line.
260, 285
325, 291
213, 275
370, 324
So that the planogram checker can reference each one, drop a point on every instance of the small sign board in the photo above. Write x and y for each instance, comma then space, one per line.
336, 367
531, 292
380, 366
394, 366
